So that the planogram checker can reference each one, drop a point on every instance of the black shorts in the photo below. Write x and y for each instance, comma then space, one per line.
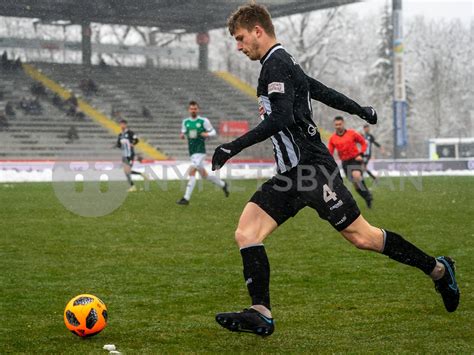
350, 165
128, 161
285, 194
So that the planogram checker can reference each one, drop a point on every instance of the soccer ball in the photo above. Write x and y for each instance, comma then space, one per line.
85, 315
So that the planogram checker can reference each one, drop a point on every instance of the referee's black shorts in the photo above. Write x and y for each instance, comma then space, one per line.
314, 186
350, 165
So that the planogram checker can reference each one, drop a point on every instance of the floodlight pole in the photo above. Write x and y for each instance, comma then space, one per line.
202, 39
399, 89
86, 35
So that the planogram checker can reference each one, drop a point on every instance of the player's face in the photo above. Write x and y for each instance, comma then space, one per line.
247, 42
123, 126
339, 126
366, 129
193, 110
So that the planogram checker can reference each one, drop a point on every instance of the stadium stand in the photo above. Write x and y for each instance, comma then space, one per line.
124, 92
44, 134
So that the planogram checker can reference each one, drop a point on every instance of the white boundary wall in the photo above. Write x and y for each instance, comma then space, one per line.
48, 171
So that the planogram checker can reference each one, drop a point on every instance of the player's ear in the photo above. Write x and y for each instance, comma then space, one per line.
258, 31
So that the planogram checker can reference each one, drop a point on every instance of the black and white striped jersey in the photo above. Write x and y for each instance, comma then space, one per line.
284, 92
126, 141
370, 139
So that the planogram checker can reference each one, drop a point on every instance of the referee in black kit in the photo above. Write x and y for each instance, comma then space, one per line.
307, 174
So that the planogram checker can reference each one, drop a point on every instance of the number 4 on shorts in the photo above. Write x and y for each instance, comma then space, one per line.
328, 194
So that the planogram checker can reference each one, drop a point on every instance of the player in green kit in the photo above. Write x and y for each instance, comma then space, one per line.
196, 129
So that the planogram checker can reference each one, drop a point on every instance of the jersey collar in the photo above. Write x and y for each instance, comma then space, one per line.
270, 52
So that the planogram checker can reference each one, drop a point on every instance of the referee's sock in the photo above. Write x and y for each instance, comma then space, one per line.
363, 190
401, 250
257, 274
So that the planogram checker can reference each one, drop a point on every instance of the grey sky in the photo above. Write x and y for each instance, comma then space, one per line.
448, 9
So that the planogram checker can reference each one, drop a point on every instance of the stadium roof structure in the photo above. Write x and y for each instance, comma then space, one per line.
168, 15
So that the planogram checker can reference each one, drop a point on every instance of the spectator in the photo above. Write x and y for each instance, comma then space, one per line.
35, 107
23, 104
147, 113
72, 135
57, 101
72, 100
4, 61
38, 89
9, 110
102, 63
17, 64
3, 122
88, 86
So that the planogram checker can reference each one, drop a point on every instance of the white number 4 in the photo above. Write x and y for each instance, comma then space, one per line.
328, 194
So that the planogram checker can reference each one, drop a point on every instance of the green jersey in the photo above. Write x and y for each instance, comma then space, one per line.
192, 128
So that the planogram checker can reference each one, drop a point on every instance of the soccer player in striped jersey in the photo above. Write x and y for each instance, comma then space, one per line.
307, 175
126, 141
370, 140
197, 129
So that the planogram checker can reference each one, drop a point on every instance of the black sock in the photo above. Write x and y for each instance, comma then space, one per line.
136, 172
401, 250
363, 190
257, 274
371, 175
129, 179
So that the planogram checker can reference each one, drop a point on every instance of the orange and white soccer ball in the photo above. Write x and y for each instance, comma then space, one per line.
85, 315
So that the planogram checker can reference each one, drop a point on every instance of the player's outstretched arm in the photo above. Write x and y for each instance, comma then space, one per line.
280, 118
335, 99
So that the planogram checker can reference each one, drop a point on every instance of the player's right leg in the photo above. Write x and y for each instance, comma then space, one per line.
365, 236
254, 226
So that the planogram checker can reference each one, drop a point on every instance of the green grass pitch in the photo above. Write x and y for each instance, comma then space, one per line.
164, 270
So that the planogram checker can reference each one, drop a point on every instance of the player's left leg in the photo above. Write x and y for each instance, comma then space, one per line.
441, 270
127, 168
214, 180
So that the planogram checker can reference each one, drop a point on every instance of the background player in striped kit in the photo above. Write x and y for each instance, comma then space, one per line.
196, 129
370, 140
126, 141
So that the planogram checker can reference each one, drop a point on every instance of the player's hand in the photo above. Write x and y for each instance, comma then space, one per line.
359, 158
223, 153
369, 114
204, 134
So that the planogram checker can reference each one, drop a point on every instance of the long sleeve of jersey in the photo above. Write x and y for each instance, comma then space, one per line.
377, 144
332, 98
278, 111
209, 128
134, 138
